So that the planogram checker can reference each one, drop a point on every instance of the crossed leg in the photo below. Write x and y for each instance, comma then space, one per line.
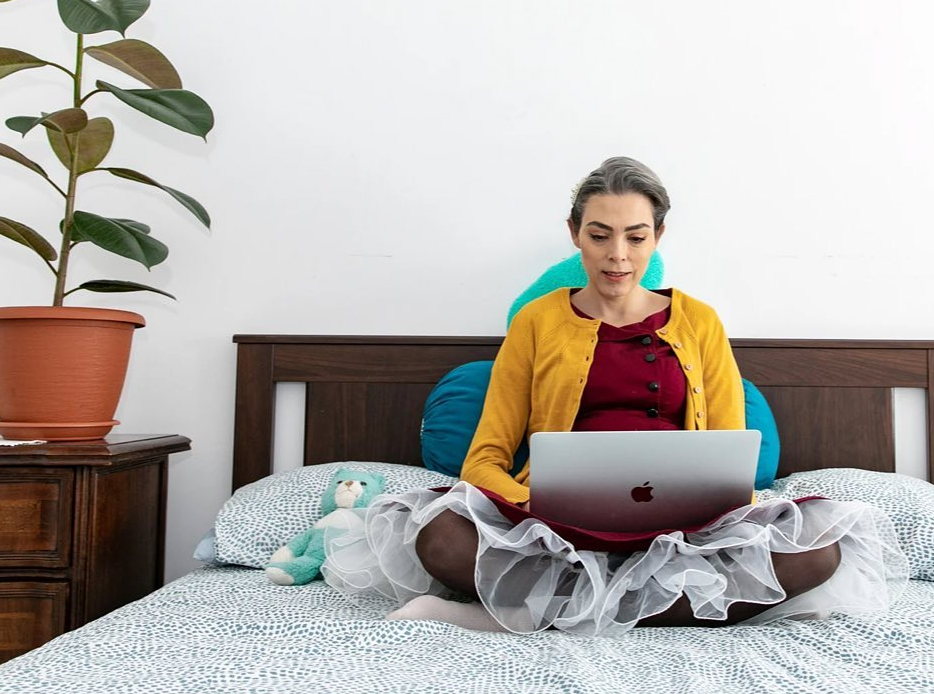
447, 547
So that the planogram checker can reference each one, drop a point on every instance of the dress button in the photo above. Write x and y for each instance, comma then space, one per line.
646, 340
650, 357
653, 386
688, 367
652, 413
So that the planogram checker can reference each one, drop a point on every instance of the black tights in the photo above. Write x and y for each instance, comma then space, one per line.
447, 547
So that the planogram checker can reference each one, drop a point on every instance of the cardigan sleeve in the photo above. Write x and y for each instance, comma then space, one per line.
726, 405
505, 417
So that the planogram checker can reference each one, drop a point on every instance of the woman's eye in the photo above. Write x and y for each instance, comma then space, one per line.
596, 237
637, 239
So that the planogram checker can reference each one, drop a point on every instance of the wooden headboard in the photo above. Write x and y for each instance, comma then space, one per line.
832, 399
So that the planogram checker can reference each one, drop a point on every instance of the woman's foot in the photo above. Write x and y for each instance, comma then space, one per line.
470, 615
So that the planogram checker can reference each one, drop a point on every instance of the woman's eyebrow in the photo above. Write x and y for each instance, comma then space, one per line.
607, 227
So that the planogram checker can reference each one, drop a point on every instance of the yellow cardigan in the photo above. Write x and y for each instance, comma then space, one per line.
541, 369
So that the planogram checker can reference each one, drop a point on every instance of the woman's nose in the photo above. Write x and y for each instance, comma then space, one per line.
617, 251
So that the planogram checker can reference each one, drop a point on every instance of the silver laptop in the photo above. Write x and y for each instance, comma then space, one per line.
634, 481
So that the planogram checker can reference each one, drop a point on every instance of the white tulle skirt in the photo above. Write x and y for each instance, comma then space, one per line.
530, 579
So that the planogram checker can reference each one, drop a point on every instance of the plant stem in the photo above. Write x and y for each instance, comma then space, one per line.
65, 251
89, 95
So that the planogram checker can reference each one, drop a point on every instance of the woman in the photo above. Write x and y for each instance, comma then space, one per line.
611, 356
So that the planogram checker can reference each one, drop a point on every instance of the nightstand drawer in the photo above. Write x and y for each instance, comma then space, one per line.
31, 613
35, 517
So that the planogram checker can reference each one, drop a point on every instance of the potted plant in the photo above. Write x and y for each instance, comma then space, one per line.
62, 368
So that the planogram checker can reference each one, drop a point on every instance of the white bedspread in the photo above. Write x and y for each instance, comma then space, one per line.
230, 630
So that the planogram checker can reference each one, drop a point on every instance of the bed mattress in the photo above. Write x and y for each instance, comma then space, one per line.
228, 629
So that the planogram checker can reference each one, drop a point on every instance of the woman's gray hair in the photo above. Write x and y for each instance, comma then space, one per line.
616, 176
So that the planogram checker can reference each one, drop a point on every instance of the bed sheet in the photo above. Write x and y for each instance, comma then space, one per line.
227, 629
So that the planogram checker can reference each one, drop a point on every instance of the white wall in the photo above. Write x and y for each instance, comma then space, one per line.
404, 167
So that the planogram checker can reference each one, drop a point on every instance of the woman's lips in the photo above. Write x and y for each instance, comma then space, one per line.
616, 276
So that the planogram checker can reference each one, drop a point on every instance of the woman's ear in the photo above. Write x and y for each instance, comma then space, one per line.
575, 235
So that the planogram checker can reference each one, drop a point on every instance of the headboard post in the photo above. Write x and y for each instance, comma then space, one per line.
255, 413
930, 415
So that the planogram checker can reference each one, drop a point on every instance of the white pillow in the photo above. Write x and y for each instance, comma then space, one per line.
261, 517
907, 501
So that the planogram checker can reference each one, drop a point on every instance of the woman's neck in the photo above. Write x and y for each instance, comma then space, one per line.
619, 311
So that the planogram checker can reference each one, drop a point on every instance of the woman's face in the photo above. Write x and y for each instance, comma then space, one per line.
617, 237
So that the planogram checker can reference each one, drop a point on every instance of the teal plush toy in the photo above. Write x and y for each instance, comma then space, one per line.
299, 562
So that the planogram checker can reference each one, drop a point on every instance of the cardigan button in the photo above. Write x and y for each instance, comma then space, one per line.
700, 415
688, 367
697, 389
662, 331
677, 345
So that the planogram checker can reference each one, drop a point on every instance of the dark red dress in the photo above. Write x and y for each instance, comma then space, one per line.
635, 382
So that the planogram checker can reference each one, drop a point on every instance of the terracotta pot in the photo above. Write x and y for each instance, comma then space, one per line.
62, 370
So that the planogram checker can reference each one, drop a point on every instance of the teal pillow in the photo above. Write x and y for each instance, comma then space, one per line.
570, 273
759, 416
451, 414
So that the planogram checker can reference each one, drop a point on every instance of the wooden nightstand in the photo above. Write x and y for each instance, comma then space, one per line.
82, 532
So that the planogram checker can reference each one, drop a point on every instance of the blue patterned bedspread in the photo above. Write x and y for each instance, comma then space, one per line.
230, 630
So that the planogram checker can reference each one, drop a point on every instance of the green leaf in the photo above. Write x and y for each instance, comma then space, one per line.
140, 60
118, 286
28, 237
121, 238
10, 153
76, 236
95, 16
21, 124
189, 202
90, 145
179, 108
136, 226
12, 60
68, 120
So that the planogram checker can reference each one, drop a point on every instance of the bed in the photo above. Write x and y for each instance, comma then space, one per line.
225, 627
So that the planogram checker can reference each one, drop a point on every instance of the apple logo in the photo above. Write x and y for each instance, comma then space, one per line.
642, 494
